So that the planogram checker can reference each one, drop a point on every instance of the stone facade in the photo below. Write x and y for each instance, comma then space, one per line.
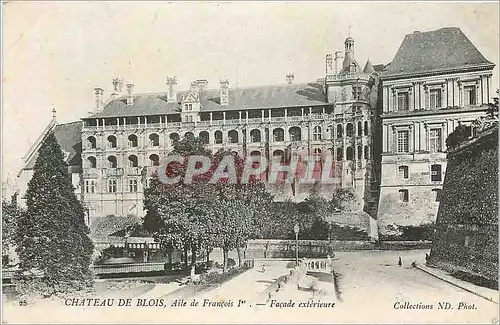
466, 237
123, 143
384, 125
421, 107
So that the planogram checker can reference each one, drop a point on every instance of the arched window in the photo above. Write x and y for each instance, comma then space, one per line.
367, 152
317, 154
366, 127
205, 137
255, 153
295, 133
154, 160
92, 162
350, 153
255, 135
349, 130
111, 141
278, 153
317, 133
233, 136
278, 135
111, 185
154, 140
218, 137
173, 138
437, 194
132, 161
132, 140
360, 152
360, 129
340, 153
91, 142
188, 135
404, 195
112, 162
340, 131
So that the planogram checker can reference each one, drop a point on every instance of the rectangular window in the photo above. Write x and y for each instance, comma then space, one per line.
403, 141
470, 95
403, 195
435, 98
90, 186
403, 101
132, 184
437, 194
436, 173
403, 172
356, 92
112, 186
435, 140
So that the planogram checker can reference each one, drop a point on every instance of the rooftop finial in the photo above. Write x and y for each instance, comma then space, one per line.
349, 33
54, 112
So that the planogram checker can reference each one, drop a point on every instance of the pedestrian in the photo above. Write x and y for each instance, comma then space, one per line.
400, 263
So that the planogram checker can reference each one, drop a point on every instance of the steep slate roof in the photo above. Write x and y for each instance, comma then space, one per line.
68, 136
437, 50
276, 96
368, 67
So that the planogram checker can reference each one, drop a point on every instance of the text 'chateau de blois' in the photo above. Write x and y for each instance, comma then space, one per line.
384, 124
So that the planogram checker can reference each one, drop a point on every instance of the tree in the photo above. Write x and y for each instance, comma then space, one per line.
177, 212
53, 245
10, 215
205, 214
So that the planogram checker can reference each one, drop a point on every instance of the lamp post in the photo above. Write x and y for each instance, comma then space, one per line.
296, 230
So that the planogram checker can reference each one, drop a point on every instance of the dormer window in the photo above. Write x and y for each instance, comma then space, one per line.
188, 107
353, 67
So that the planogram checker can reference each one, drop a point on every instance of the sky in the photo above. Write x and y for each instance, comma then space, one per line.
55, 53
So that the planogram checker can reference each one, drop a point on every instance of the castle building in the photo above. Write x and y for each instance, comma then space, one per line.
436, 81
128, 137
384, 125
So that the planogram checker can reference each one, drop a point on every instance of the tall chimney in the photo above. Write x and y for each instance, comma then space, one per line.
329, 64
117, 88
172, 94
224, 92
130, 94
202, 84
99, 99
339, 58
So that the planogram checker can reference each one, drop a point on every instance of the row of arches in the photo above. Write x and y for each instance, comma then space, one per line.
278, 135
361, 153
132, 161
154, 159
133, 140
362, 129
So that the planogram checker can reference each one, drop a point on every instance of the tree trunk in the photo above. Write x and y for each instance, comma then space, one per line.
208, 254
240, 255
170, 252
225, 252
193, 255
186, 256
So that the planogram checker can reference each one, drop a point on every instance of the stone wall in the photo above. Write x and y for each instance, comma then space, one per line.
466, 237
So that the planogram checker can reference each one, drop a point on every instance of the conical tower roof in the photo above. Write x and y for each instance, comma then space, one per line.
368, 67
